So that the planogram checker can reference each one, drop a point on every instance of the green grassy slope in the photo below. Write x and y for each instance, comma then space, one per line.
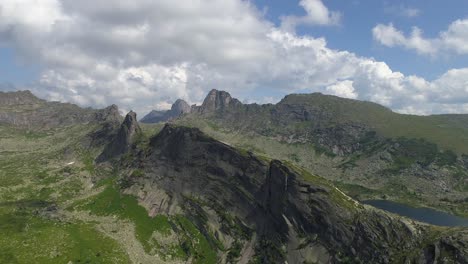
447, 131
35, 180
56, 205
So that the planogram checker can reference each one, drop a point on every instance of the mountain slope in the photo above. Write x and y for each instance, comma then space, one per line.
267, 211
370, 151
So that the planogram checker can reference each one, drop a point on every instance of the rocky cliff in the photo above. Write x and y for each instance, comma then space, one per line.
273, 212
217, 101
124, 140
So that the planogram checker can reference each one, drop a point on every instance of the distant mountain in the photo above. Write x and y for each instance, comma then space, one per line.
23, 109
214, 101
179, 107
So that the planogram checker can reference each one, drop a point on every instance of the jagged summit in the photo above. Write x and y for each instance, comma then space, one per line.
124, 140
179, 107
214, 101
218, 100
110, 113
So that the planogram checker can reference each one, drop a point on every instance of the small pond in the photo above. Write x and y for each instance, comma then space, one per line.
426, 215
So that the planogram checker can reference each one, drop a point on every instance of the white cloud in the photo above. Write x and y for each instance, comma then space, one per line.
389, 36
316, 14
144, 54
16, 13
456, 37
402, 10
453, 40
343, 89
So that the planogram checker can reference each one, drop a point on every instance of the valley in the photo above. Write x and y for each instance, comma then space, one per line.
106, 189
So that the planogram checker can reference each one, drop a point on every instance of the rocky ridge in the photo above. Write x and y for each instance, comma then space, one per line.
276, 212
23, 109
361, 144
214, 101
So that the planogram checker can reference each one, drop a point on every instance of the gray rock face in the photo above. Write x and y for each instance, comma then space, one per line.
214, 101
179, 107
108, 114
217, 101
124, 140
288, 214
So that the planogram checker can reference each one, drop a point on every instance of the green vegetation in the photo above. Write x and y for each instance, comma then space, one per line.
449, 132
112, 202
357, 191
34, 182
411, 151
195, 243
191, 241
27, 236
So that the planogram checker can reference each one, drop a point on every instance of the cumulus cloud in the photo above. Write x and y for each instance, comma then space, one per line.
316, 14
453, 40
145, 54
343, 89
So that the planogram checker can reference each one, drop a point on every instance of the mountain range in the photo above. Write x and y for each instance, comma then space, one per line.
226, 182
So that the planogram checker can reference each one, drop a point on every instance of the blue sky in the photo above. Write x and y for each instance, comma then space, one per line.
360, 16
15, 71
410, 56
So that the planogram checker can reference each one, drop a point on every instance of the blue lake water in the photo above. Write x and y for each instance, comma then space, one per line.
426, 215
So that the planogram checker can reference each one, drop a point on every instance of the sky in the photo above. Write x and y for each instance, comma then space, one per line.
411, 56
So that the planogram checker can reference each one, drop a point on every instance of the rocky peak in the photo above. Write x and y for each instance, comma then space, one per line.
180, 107
130, 128
110, 114
218, 100
124, 140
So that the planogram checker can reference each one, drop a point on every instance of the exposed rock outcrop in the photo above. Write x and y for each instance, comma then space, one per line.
125, 139
179, 108
217, 101
289, 214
